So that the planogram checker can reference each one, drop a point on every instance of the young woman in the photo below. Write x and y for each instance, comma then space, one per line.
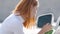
24, 15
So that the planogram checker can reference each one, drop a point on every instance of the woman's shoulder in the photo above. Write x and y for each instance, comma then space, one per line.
12, 22
13, 18
10, 17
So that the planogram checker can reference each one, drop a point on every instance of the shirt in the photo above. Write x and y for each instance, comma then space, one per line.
12, 25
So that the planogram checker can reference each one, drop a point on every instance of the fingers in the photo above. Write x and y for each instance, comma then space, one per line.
47, 27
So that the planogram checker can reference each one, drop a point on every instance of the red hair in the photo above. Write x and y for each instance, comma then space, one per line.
24, 8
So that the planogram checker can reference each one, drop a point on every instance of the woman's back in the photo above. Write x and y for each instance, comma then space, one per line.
12, 25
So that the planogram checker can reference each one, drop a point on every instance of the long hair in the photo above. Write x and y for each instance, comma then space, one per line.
24, 8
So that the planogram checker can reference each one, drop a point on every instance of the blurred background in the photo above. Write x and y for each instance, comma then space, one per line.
45, 6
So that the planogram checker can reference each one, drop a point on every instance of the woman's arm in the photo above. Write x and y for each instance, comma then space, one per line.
45, 28
5, 29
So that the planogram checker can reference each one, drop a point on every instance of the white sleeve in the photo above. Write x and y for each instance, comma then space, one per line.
12, 25
11, 29
6, 29
6, 32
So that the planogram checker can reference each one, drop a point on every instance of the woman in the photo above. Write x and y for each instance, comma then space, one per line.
23, 15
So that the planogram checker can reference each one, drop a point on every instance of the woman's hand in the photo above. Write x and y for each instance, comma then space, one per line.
45, 28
